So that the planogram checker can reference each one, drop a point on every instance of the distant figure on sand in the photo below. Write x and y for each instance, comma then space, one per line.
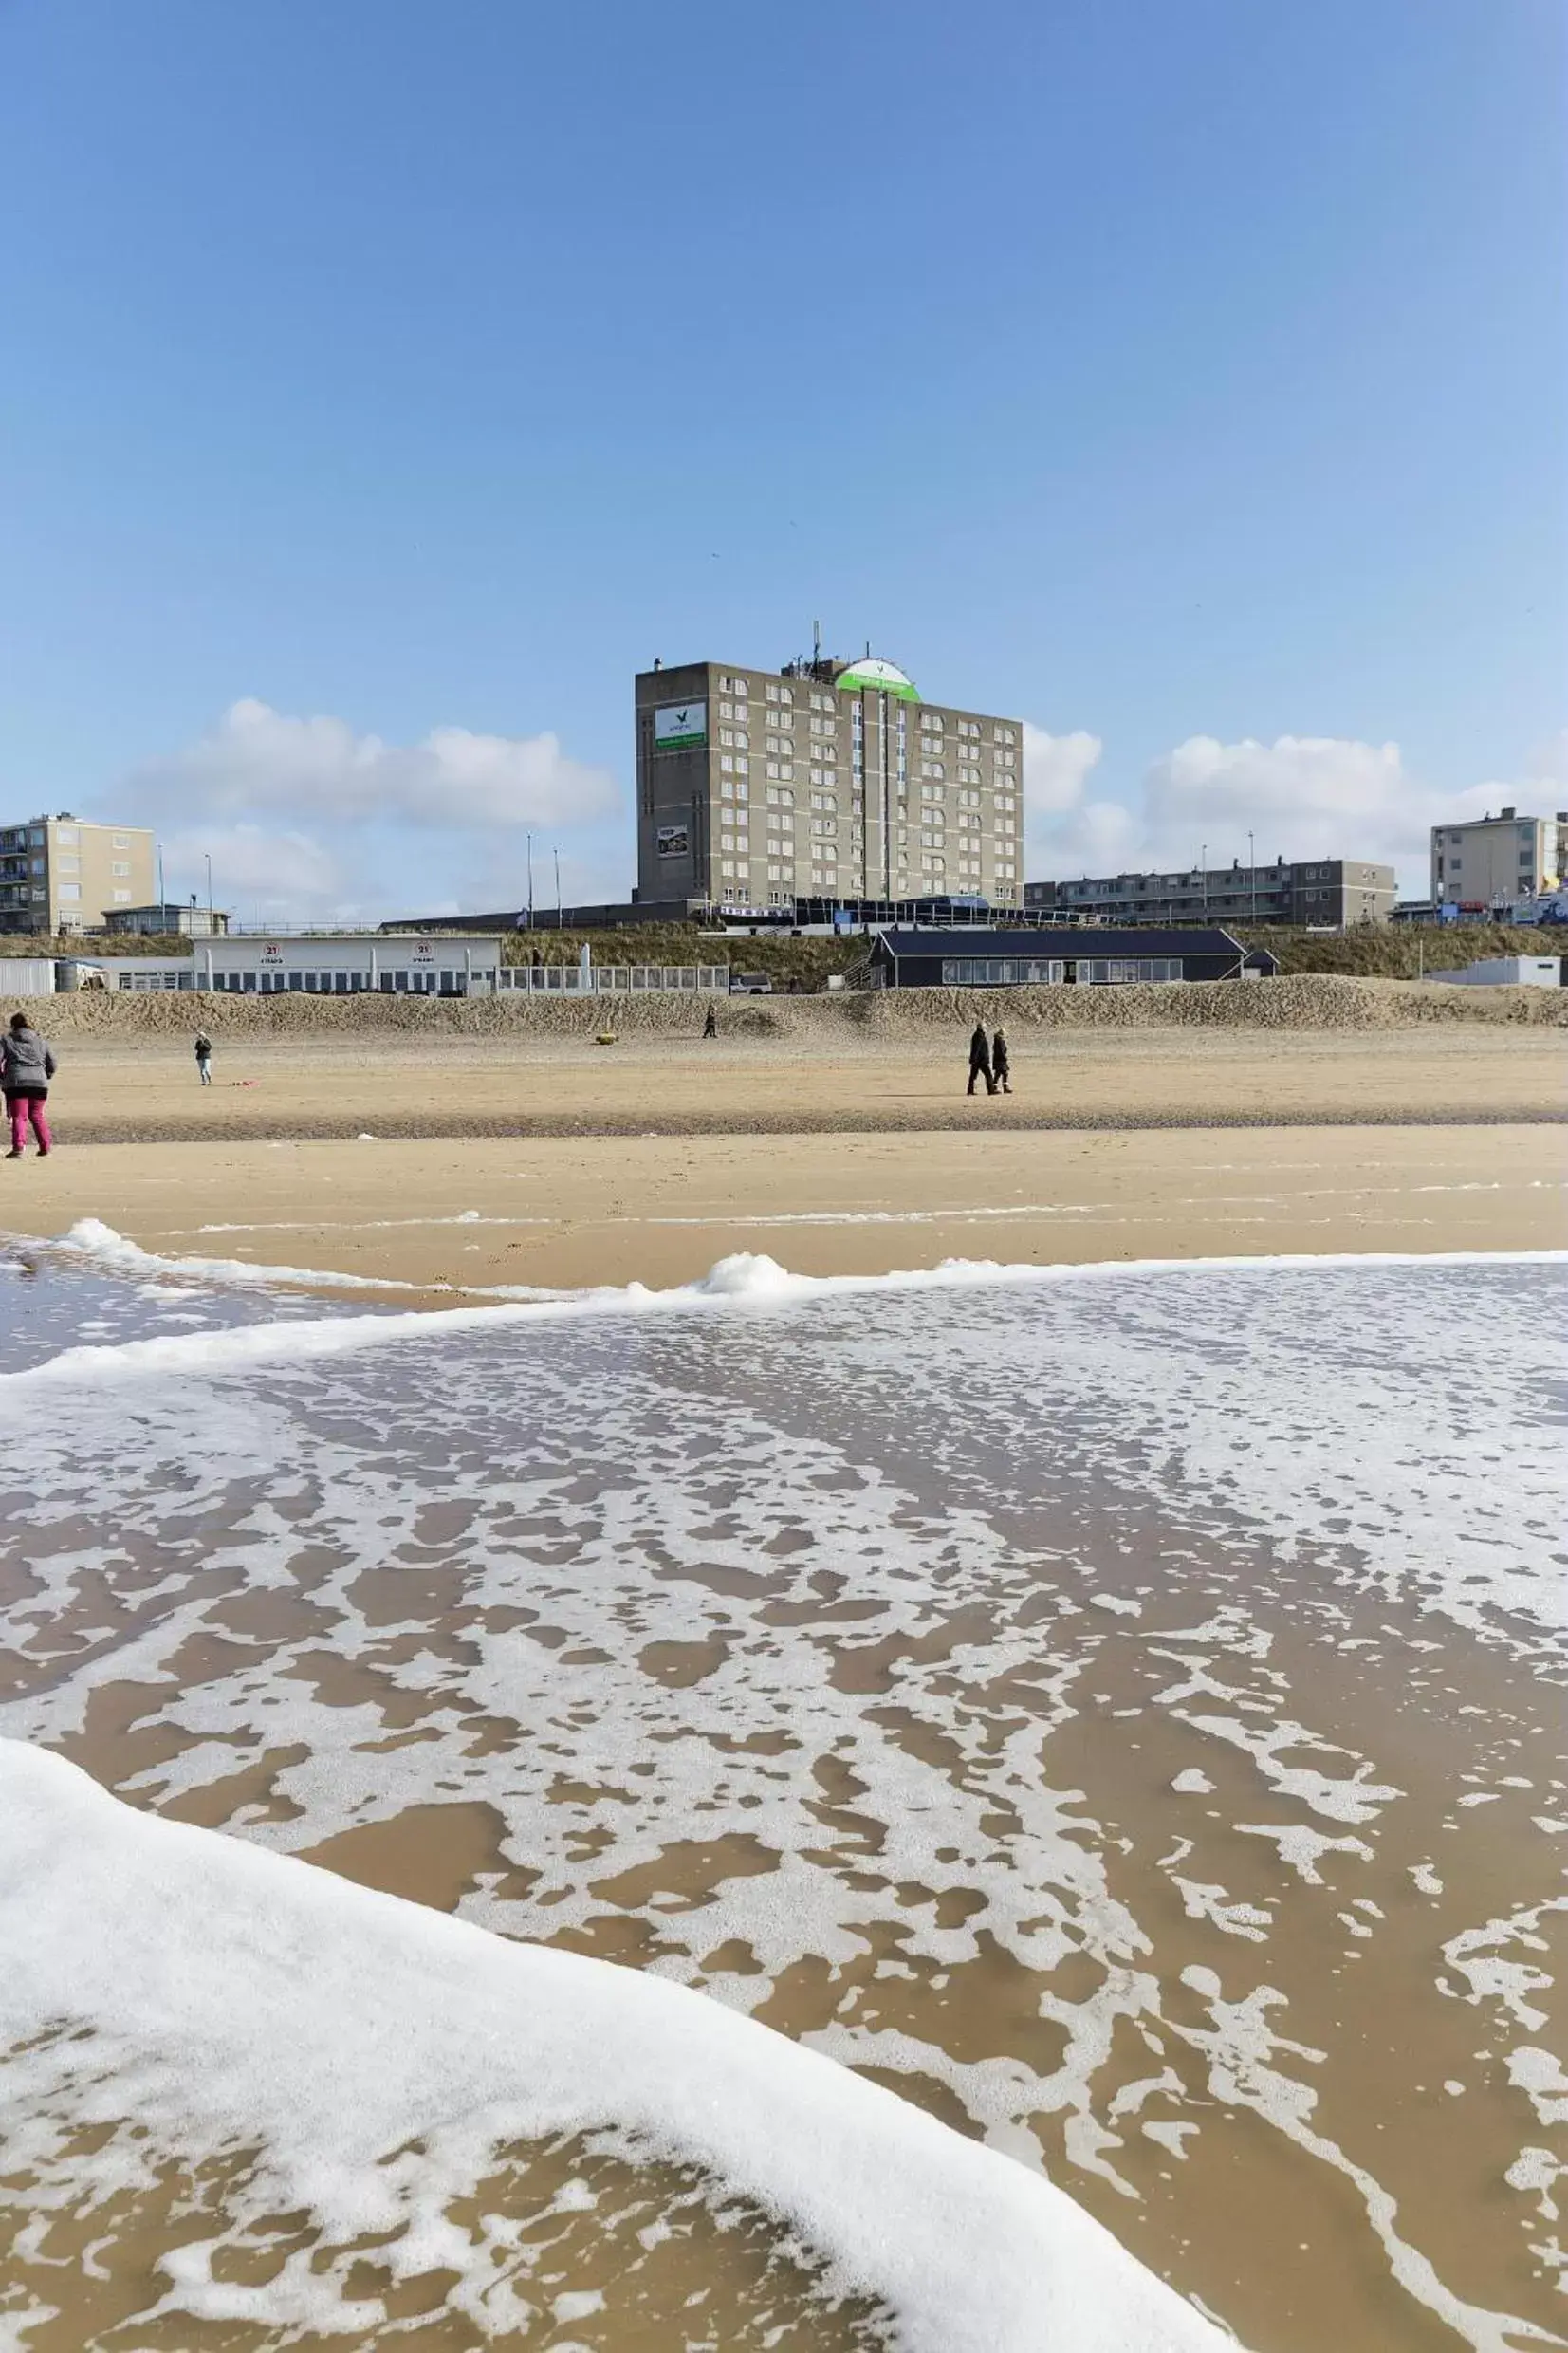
26, 1066
710, 1027
1001, 1068
980, 1059
204, 1058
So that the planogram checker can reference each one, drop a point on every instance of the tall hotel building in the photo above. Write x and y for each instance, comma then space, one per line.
823, 780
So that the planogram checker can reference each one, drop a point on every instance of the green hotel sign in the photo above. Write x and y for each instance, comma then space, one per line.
679, 727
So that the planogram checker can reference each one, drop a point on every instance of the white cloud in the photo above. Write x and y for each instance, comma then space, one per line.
1303, 796
254, 868
1300, 796
257, 761
1056, 765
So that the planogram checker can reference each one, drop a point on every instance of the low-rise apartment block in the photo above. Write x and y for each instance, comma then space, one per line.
1328, 893
69, 874
1492, 862
825, 780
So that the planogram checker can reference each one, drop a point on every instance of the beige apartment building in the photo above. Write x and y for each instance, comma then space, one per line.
66, 874
1494, 861
825, 780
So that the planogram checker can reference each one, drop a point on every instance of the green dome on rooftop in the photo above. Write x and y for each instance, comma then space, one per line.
876, 676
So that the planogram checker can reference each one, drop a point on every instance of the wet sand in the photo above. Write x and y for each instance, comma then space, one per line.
662, 1210
1242, 1888
1242, 2029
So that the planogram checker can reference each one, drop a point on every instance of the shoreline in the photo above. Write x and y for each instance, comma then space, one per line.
1012, 1118
564, 1213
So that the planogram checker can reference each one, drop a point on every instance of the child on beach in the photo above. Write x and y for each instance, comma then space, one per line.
26, 1065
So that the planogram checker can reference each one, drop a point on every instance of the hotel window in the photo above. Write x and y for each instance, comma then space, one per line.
779, 743
932, 768
821, 702
121, 842
1003, 735
786, 694
780, 799
824, 801
1005, 759
71, 865
69, 890
120, 869
822, 727
726, 734
930, 792
121, 898
66, 833
727, 865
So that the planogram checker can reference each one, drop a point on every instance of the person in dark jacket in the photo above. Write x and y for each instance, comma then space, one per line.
1001, 1068
710, 1027
26, 1065
204, 1058
980, 1059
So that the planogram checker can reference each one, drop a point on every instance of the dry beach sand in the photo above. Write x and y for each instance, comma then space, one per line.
831, 1149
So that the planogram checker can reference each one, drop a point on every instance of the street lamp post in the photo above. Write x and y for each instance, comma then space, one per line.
209, 857
1203, 876
528, 838
556, 855
1252, 870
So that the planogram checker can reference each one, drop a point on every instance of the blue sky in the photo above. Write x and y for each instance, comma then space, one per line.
386, 381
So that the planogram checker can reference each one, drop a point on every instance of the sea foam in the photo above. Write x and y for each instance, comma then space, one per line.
239, 1998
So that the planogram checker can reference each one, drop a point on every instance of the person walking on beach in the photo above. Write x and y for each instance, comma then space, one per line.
1001, 1068
204, 1058
980, 1059
26, 1065
710, 1027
